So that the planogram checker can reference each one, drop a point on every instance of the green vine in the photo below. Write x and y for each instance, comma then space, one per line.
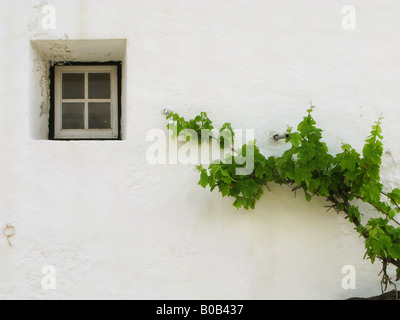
306, 164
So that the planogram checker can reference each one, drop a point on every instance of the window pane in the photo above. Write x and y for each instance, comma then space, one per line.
73, 86
73, 116
99, 115
99, 86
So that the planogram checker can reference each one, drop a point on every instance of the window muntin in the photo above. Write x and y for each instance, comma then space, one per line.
86, 102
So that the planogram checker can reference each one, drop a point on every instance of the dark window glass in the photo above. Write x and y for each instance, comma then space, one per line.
73, 86
99, 115
99, 86
73, 116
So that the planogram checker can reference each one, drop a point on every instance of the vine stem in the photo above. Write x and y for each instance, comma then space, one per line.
215, 138
390, 198
361, 198
385, 278
357, 223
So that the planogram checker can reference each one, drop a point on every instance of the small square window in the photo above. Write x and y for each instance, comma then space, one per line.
86, 102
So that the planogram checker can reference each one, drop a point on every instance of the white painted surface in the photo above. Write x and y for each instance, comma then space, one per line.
114, 226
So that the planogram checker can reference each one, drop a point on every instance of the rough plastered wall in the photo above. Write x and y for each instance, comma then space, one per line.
102, 222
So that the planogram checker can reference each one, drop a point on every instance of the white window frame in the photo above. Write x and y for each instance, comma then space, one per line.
86, 133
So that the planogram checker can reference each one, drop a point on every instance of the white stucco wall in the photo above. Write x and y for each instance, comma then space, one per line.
114, 226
